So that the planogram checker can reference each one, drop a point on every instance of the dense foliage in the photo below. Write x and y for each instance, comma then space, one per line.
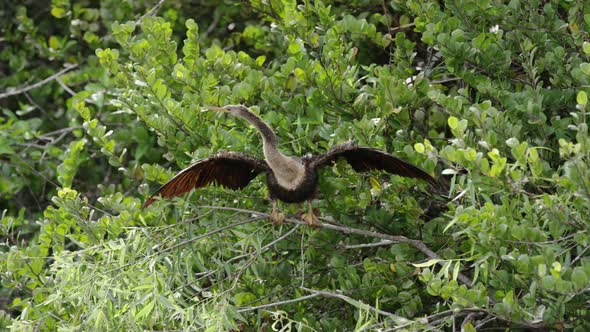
489, 96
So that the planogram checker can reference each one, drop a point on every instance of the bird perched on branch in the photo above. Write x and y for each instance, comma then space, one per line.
289, 179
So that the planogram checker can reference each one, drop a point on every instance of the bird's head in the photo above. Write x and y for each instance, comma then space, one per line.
235, 110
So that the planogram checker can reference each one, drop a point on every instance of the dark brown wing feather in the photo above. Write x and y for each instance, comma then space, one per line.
231, 170
366, 159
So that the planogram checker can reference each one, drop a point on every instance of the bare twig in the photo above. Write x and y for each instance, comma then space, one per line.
538, 243
361, 304
264, 306
484, 321
213, 24
27, 88
402, 27
368, 245
151, 12
65, 87
468, 319
579, 256
47, 136
446, 80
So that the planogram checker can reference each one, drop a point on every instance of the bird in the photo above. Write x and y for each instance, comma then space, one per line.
289, 179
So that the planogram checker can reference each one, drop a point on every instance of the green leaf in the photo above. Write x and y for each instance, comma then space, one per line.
428, 263
579, 278
5, 148
468, 327
53, 42
542, 270
375, 184
145, 311
456, 270
582, 98
58, 12
260, 60
453, 122
244, 297
419, 147
294, 48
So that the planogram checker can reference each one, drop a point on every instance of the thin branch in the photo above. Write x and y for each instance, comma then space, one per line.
446, 80
254, 254
185, 242
484, 321
563, 238
264, 306
47, 136
213, 24
402, 27
361, 304
215, 231
151, 12
266, 247
349, 230
369, 245
469, 318
27, 88
65, 87
579, 256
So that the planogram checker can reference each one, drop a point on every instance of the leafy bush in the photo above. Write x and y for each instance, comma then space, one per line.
487, 95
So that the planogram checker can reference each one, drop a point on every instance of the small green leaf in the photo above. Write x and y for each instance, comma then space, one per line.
456, 270
428, 263
146, 310
542, 270
582, 98
586, 47
260, 60
58, 12
579, 278
53, 42
468, 327
453, 122
419, 147
5, 148
294, 48
375, 184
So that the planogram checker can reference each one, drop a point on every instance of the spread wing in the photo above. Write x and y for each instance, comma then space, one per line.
367, 159
231, 170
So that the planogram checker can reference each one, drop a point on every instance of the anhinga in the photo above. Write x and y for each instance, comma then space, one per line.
289, 179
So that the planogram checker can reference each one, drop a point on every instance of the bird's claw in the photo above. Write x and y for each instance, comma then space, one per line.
312, 220
278, 218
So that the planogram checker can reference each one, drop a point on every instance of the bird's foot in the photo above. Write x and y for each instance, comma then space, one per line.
278, 218
311, 218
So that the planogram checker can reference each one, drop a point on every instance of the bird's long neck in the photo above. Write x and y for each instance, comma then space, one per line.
269, 138
287, 170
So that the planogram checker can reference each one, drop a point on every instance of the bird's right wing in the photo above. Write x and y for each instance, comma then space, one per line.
364, 159
229, 169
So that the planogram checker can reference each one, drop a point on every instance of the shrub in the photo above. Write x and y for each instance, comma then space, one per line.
488, 95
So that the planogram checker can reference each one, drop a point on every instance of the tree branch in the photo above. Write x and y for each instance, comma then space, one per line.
151, 12
368, 245
349, 230
27, 88
264, 306
360, 304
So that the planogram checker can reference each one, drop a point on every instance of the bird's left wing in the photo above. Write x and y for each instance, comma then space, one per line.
364, 159
229, 169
